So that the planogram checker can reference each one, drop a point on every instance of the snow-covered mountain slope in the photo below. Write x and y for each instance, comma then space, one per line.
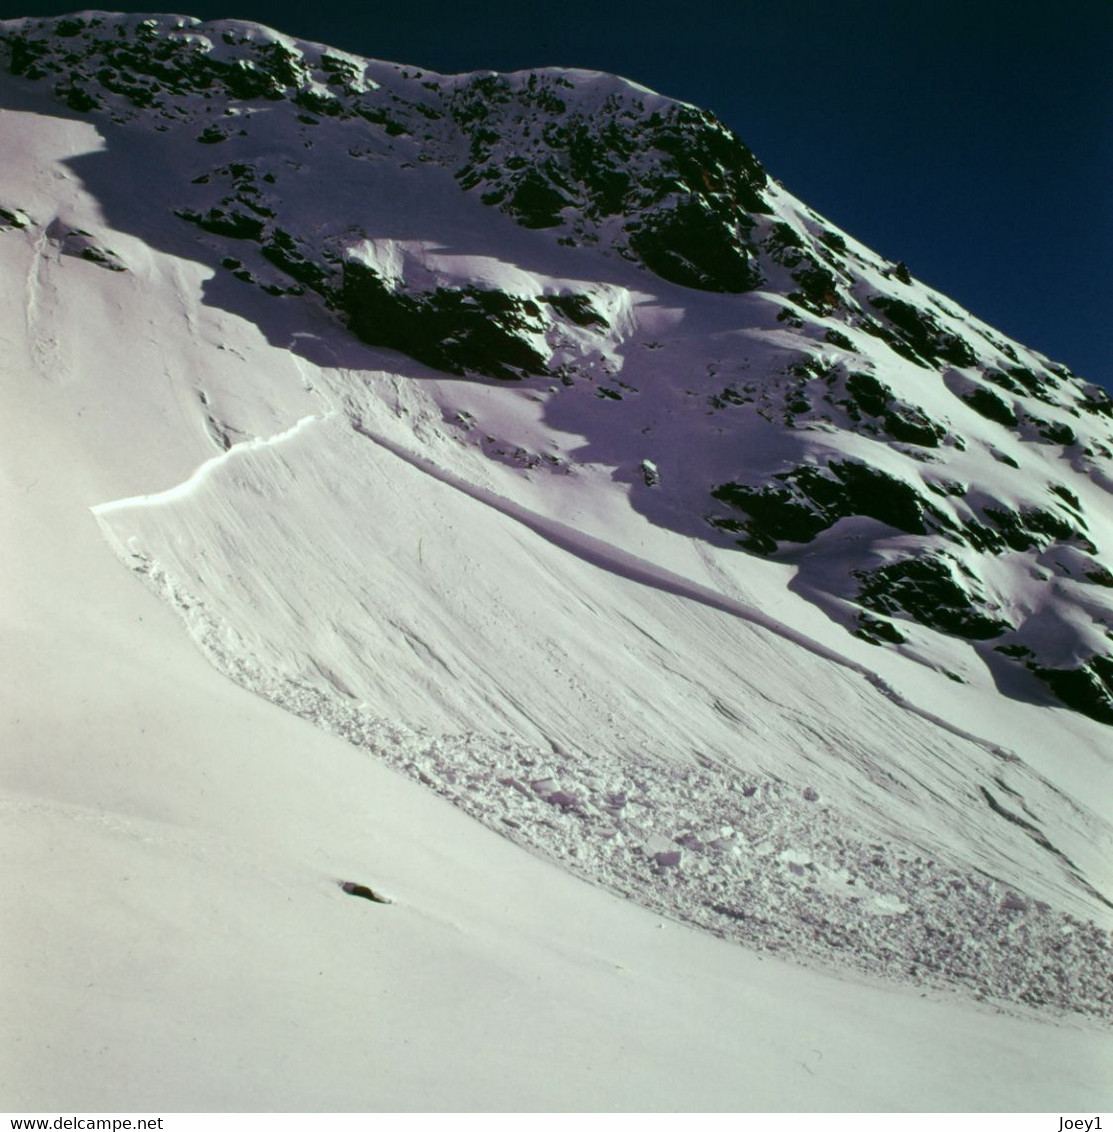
836, 388
521, 431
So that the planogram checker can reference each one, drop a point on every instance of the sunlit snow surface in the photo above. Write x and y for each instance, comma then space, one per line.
510, 592
640, 725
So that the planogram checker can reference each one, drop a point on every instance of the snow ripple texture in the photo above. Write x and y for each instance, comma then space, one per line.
757, 861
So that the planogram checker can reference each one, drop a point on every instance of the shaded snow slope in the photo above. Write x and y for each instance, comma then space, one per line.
528, 596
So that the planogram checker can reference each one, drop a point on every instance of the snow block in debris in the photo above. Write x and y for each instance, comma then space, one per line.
663, 851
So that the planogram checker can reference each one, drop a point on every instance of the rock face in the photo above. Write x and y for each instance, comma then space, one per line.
932, 480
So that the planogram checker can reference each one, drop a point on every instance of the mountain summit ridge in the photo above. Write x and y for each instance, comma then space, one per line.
559, 360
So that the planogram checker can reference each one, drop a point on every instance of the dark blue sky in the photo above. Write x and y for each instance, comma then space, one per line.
972, 139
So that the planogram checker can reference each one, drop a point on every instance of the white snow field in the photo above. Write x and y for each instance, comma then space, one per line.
283, 610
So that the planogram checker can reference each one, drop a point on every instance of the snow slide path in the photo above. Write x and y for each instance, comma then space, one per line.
746, 857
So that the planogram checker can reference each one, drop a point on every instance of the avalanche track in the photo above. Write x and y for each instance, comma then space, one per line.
744, 853
626, 565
